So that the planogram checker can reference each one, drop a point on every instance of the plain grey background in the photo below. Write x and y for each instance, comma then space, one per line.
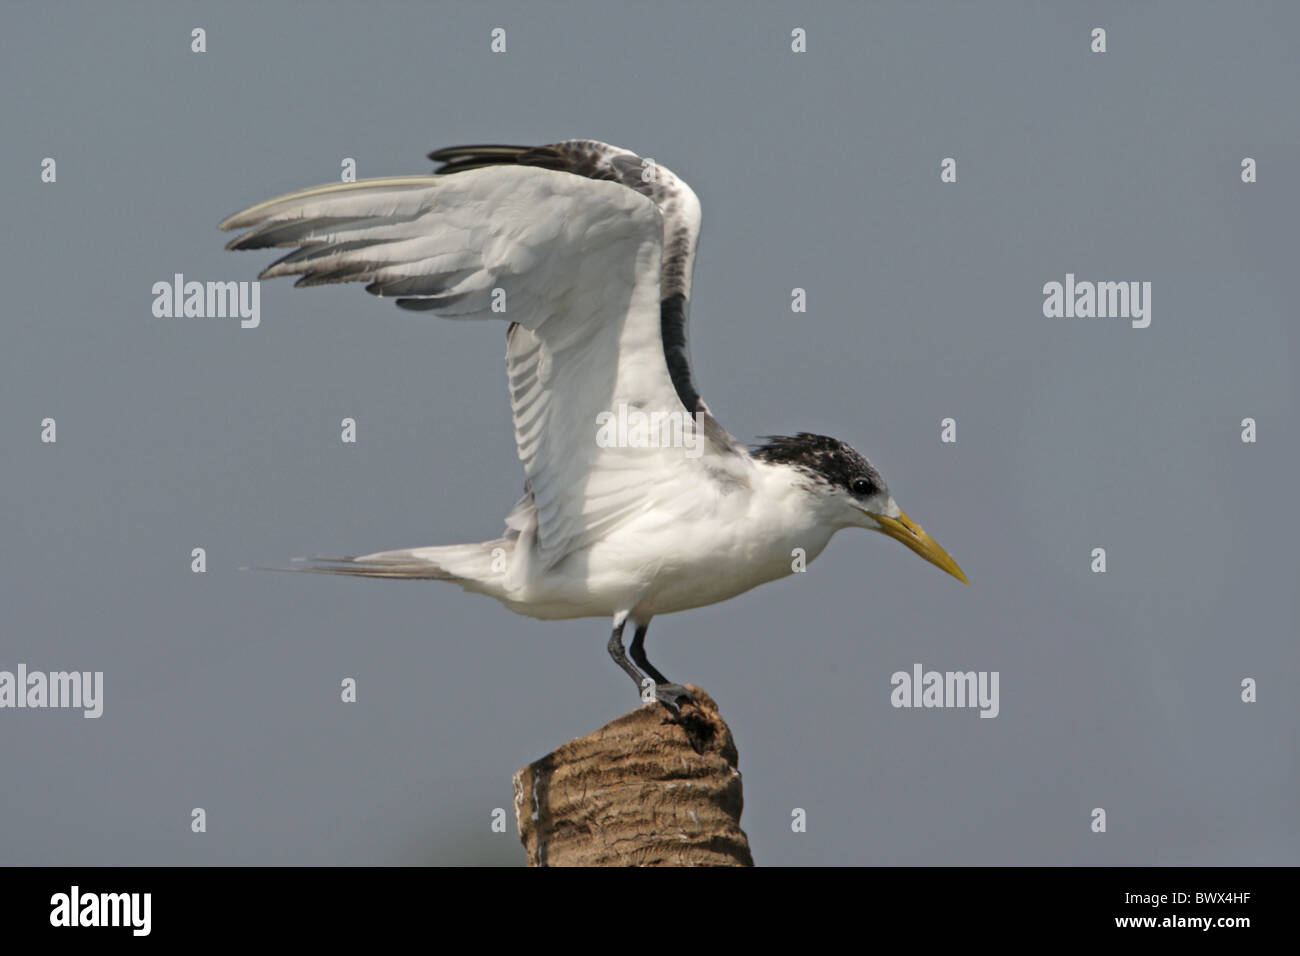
816, 170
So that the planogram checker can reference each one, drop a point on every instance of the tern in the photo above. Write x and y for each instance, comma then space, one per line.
588, 251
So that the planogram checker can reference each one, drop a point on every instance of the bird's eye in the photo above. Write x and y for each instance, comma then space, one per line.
860, 486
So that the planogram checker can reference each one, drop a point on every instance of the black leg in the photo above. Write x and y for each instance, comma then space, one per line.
638, 654
615, 648
665, 690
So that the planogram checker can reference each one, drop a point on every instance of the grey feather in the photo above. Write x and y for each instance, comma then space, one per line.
431, 304
418, 285
312, 252
278, 234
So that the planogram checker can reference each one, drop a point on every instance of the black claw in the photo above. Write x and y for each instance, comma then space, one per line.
673, 694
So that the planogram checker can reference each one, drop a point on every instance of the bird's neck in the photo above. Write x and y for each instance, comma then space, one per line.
787, 511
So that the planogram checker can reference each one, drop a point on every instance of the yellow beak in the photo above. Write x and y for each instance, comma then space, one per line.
904, 529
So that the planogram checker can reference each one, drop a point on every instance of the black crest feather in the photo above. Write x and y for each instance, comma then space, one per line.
824, 459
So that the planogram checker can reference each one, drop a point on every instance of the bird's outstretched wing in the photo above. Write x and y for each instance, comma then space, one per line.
587, 251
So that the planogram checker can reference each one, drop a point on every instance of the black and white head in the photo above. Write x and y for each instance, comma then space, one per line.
849, 492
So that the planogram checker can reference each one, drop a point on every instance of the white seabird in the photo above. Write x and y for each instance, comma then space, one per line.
588, 251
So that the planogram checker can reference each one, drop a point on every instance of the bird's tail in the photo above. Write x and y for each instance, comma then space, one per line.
469, 565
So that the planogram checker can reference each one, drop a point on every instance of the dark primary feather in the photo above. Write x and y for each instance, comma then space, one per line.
578, 157
672, 332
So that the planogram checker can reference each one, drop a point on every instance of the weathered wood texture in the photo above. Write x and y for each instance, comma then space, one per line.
651, 788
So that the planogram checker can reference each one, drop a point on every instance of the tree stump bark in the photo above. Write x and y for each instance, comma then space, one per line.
651, 788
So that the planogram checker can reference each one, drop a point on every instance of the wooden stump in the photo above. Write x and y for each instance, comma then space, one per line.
651, 788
